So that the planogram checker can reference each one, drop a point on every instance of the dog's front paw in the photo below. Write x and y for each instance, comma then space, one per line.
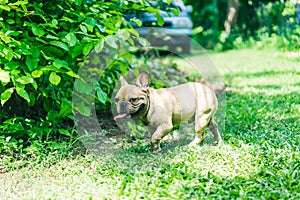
155, 147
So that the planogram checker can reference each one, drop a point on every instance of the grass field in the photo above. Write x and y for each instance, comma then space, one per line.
260, 158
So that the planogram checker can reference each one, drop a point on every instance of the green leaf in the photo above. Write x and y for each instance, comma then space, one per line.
175, 11
7, 139
71, 39
18, 3
13, 33
90, 28
6, 95
4, 7
47, 104
137, 21
76, 51
61, 63
51, 116
64, 132
52, 51
54, 22
10, 21
37, 73
52, 68
99, 46
52, 37
32, 99
83, 28
72, 74
102, 96
160, 20
9, 53
111, 41
24, 7
82, 87
131, 41
31, 62
25, 80
37, 30
87, 48
54, 78
143, 42
78, 2
83, 109
123, 34
152, 10
60, 45
4, 76
95, 60
65, 109
35, 52
67, 19
34, 85
11, 66
5, 38
22, 93
91, 21
134, 32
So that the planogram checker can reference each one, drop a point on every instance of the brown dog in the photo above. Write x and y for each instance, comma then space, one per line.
160, 109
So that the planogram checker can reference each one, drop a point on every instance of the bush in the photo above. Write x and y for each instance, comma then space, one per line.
263, 21
43, 44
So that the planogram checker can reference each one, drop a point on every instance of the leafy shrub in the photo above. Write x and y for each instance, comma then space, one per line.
273, 23
43, 44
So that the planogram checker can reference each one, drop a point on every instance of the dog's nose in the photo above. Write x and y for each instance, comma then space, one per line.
123, 107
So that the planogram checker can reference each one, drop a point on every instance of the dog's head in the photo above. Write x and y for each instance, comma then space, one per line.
132, 100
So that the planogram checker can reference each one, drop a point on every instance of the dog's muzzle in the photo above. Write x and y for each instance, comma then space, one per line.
124, 112
123, 107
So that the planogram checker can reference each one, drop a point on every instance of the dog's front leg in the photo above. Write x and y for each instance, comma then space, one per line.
160, 132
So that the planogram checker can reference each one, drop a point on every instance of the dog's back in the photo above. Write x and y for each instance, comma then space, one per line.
192, 97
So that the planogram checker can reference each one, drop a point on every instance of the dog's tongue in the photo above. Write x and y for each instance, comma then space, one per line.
120, 116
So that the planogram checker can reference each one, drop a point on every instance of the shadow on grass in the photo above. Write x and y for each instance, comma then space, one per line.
252, 118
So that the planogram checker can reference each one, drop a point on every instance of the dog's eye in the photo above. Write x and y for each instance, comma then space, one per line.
132, 100
117, 99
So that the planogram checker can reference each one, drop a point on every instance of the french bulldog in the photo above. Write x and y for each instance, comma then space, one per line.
160, 109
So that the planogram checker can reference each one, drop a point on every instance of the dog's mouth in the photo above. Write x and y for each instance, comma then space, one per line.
127, 115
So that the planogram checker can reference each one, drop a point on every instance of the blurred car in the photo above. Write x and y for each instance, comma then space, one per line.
176, 30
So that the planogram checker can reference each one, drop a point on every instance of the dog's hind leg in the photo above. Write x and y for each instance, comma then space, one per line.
213, 126
201, 122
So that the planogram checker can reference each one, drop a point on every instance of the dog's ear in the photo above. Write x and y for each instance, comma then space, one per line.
142, 80
123, 81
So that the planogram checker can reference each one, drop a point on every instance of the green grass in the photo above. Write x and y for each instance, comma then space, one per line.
259, 160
